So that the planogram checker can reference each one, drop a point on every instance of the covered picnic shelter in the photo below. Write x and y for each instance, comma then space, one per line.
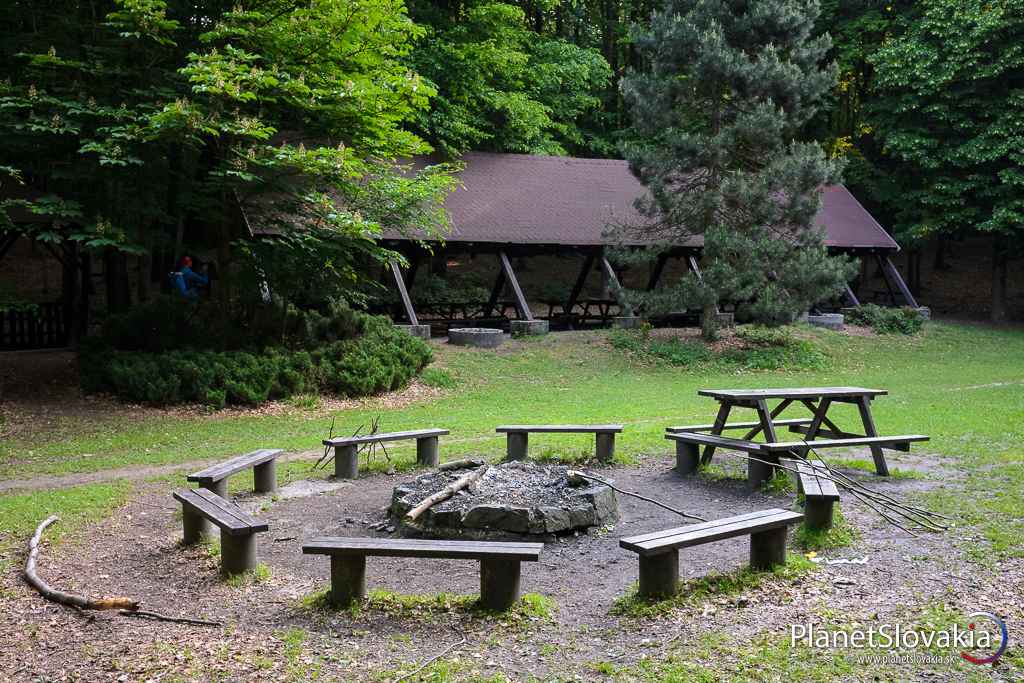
512, 206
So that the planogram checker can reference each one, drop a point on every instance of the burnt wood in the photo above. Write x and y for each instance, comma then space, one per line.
709, 532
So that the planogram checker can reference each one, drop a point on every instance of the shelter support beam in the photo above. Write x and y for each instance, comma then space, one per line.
521, 306
410, 312
854, 301
659, 267
893, 275
613, 281
581, 281
692, 260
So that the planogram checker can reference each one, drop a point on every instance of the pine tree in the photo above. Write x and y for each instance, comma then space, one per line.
718, 112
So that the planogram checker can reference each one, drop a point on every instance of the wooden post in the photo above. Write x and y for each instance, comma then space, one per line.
723, 414
521, 306
517, 445
265, 477
348, 579
613, 280
687, 457
758, 472
864, 406
768, 548
499, 284
427, 451
346, 461
410, 313
237, 553
820, 415
659, 575
891, 273
581, 281
499, 583
659, 266
851, 296
818, 513
605, 447
195, 526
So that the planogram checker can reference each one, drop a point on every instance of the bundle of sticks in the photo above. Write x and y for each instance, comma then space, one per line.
898, 513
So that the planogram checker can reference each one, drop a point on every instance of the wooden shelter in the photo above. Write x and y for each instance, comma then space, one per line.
511, 206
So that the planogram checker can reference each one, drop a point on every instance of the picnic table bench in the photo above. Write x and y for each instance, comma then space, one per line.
264, 470
818, 400
238, 528
517, 444
819, 491
346, 448
659, 550
499, 563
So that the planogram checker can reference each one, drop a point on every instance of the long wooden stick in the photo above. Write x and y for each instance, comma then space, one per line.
445, 493
577, 473
156, 616
70, 599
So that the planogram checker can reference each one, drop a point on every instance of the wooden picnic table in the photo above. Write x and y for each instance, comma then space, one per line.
818, 400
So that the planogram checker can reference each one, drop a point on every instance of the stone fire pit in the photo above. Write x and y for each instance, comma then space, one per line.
510, 498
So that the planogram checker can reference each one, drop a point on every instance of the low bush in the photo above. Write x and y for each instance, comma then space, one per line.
884, 320
762, 348
383, 358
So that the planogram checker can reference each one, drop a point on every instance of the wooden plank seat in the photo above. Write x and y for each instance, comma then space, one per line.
820, 493
688, 454
499, 563
517, 445
793, 424
659, 550
346, 448
896, 443
264, 470
238, 529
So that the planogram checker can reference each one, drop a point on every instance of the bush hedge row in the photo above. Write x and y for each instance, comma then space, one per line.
383, 358
884, 320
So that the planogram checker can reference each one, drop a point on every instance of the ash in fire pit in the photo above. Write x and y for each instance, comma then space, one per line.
513, 497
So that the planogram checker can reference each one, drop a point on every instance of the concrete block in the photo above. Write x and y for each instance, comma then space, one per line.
626, 322
421, 331
524, 328
481, 337
830, 321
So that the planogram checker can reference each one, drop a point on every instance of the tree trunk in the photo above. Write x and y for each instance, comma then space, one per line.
999, 270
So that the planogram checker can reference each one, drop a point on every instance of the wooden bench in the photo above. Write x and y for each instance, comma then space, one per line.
238, 529
793, 424
264, 470
820, 493
346, 448
499, 563
659, 551
688, 454
895, 443
517, 445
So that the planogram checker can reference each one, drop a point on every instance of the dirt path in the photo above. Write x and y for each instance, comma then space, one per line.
135, 473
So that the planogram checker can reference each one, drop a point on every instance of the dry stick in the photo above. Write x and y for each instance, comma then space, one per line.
445, 493
60, 597
461, 464
635, 495
328, 451
156, 616
442, 653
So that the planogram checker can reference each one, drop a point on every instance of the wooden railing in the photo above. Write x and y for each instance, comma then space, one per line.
41, 327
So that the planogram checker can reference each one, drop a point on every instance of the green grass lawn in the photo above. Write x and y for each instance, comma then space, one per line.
961, 384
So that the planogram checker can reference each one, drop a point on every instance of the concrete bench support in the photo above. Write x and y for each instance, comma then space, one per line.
659, 551
499, 563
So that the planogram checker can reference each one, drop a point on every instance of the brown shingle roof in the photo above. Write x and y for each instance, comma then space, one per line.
525, 199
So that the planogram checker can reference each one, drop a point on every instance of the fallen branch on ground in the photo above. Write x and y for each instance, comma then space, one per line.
444, 494
61, 597
156, 616
576, 473
461, 464
442, 653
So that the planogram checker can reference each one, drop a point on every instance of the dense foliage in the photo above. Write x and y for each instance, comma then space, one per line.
717, 118
348, 355
886, 320
137, 123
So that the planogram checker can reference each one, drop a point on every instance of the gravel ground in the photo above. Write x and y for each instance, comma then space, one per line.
268, 634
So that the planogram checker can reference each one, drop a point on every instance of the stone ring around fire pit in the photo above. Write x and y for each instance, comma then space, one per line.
510, 498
